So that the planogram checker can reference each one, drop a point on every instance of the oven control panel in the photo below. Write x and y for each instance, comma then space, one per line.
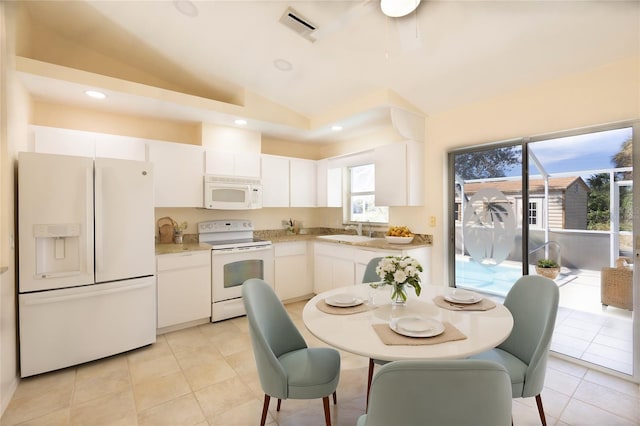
225, 226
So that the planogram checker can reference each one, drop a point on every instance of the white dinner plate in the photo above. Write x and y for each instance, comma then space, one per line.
343, 300
463, 297
416, 326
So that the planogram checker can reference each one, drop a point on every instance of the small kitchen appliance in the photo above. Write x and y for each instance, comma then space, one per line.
231, 193
236, 256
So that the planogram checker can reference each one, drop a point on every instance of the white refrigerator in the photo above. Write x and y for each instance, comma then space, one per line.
86, 262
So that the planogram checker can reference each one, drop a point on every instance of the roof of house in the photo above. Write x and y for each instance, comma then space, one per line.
535, 185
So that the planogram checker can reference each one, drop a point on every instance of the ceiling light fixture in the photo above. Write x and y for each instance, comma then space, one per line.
240, 122
186, 7
95, 94
336, 128
398, 8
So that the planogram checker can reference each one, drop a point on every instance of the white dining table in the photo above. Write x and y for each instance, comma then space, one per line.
354, 333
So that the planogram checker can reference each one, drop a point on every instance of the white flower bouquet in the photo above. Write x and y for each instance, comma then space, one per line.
400, 272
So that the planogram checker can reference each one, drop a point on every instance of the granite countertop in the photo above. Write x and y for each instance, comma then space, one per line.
170, 248
281, 236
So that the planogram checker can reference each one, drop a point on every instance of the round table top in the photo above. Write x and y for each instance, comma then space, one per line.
354, 332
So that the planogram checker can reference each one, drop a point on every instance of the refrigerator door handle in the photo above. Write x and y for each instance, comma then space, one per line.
83, 295
89, 232
99, 236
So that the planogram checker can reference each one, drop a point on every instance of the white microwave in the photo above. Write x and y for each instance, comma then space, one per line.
229, 193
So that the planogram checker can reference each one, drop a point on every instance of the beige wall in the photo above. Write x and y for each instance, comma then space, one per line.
603, 95
15, 113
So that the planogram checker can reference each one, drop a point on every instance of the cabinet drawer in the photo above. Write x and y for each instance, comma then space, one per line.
334, 250
290, 249
364, 256
168, 262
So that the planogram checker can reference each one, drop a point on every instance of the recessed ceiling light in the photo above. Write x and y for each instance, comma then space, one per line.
95, 94
240, 122
336, 128
186, 7
283, 64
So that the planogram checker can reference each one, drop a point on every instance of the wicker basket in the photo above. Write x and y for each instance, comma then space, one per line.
616, 287
550, 273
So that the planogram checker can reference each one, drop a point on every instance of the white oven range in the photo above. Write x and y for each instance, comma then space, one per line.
236, 256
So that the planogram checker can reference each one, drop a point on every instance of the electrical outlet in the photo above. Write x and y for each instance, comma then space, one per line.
432, 221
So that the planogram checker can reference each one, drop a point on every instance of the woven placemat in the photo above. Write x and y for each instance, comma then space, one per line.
335, 310
390, 337
483, 305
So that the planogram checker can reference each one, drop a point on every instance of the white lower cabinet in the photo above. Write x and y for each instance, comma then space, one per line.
333, 266
292, 278
184, 287
337, 265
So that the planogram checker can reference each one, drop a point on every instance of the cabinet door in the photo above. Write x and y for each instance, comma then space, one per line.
362, 258
391, 177
184, 288
120, 147
275, 181
247, 164
179, 173
323, 275
291, 272
219, 162
302, 183
51, 140
328, 186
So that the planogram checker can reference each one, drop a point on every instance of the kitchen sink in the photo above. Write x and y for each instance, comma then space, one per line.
347, 238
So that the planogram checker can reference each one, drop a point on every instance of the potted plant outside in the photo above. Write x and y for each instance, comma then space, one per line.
548, 268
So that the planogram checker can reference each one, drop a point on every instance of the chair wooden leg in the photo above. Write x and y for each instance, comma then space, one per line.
369, 379
265, 408
278, 406
541, 410
335, 398
327, 414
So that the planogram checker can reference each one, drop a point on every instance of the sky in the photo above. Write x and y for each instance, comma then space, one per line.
577, 153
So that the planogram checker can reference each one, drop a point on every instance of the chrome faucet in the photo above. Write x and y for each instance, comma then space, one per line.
357, 228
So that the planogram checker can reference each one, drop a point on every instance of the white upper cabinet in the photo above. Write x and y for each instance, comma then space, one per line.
275, 181
52, 140
302, 182
178, 170
329, 185
229, 163
288, 182
399, 174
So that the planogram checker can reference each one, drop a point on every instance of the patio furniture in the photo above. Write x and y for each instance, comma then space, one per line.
616, 285
287, 368
440, 392
533, 301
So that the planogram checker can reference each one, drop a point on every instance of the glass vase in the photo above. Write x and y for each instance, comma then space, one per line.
398, 295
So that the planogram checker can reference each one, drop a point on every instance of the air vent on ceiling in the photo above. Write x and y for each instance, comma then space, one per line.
301, 25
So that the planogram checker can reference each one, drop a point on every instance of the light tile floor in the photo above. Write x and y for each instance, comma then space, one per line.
206, 375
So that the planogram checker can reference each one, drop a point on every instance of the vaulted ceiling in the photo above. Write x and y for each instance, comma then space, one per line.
446, 54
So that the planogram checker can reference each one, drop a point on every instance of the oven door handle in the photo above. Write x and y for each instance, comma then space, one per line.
242, 250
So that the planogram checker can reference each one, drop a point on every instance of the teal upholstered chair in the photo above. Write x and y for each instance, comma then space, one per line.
286, 366
459, 392
533, 302
370, 275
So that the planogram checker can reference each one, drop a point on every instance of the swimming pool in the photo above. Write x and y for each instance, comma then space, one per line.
496, 279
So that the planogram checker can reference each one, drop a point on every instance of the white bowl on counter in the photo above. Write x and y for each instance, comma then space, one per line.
398, 240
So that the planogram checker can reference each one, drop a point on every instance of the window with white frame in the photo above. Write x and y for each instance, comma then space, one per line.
361, 196
535, 213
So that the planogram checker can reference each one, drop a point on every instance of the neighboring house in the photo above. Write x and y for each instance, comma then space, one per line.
568, 197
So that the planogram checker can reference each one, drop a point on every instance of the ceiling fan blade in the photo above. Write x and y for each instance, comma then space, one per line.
409, 34
360, 9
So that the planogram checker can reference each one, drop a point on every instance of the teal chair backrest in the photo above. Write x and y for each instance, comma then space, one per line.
272, 334
440, 392
533, 302
370, 275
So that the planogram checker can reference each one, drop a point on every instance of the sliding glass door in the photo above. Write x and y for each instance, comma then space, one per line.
560, 206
